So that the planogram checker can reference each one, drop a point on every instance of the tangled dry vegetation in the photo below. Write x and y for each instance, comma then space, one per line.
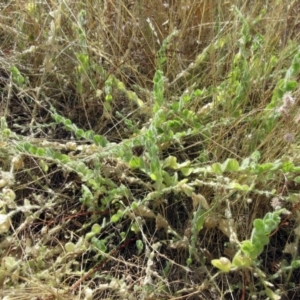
149, 149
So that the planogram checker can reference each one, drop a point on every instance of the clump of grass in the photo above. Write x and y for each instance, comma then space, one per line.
149, 150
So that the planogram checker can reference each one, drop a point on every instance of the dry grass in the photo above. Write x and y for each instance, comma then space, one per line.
67, 66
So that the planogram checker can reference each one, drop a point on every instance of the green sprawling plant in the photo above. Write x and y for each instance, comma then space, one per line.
149, 150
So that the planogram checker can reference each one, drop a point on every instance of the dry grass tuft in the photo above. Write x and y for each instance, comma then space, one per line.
139, 143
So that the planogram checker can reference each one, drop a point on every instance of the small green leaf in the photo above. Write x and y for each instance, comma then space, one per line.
258, 249
33, 150
96, 228
175, 106
89, 235
186, 98
68, 122
108, 98
217, 168
81, 168
40, 152
288, 166
99, 244
63, 158
260, 239
290, 86
89, 135
100, 140
170, 180
295, 264
230, 165
241, 261
264, 167
259, 225
188, 190
223, 264
171, 162
121, 86
87, 197
70, 247
44, 165
27, 146
239, 187
135, 228
270, 225
140, 246
197, 93
57, 118
187, 171
247, 248
50, 152
116, 217
184, 164
135, 162
134, 205
79, 133
153, 176
17, 76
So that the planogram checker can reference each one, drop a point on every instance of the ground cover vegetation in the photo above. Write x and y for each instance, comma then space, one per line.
149, 149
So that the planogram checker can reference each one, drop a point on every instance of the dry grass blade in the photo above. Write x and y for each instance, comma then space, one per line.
149, 149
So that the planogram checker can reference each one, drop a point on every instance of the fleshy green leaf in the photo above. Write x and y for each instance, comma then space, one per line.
99, 244
170, 162
135, 162
288, 166
295, 264
259, 225
135, 228
223, 264
239, 187
116, 217
187, 171
140, 246
241, 261
96, 228
217, 168
153, 176
70, 247
230, 165
100, 140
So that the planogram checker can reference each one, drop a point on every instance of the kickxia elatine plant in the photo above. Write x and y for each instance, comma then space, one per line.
149, 150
